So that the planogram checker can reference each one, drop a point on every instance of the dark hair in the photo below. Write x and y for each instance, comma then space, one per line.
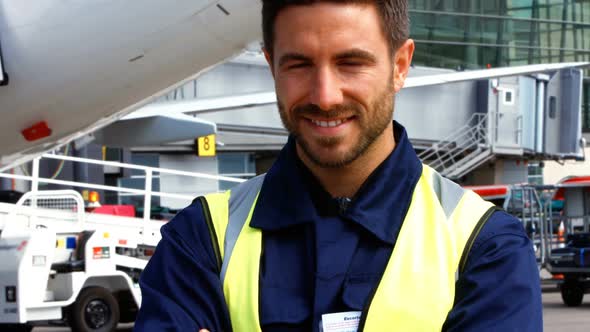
395, 21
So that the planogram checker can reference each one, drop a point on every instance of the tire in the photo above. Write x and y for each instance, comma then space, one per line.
572, 293
15, 328
128, 307
95, 310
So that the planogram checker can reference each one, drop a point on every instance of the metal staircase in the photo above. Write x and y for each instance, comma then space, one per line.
463, 150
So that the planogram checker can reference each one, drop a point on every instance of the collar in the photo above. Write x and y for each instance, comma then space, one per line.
291, 195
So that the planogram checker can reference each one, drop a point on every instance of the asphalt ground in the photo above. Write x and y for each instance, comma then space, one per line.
556, 316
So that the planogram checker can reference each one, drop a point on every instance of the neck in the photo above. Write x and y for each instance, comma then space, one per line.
345, 181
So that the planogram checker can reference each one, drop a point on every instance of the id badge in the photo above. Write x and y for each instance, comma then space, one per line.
341, 322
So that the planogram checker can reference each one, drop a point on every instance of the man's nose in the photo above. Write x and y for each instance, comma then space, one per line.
326, 90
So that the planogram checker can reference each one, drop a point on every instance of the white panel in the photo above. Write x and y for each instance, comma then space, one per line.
574, 202
527, 104
447, 107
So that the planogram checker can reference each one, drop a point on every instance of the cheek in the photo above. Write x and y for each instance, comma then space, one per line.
291, 90
364, 91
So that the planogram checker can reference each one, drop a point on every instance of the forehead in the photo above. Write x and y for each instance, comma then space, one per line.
328, 26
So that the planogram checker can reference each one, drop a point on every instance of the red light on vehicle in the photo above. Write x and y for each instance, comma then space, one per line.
558, 276
93, 197
37, 131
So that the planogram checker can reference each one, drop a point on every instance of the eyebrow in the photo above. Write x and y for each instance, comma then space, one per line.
355, 53
292, 56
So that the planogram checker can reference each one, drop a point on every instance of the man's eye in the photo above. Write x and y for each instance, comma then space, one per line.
297, 65
351, 63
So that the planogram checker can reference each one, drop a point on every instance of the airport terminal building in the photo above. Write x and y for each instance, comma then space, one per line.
474, 34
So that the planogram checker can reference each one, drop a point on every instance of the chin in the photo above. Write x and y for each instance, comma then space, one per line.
330, 160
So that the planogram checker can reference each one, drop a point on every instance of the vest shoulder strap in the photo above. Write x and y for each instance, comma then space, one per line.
450, 196
241, 199
225, 214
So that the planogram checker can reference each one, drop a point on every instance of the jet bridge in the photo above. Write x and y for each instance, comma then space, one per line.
474, 117
524, 117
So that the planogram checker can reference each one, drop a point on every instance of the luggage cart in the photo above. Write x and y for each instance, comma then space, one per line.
523, 202
566, 237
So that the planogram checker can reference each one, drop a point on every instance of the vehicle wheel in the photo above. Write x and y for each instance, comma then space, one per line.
95, 310
128, 307
16, 328
572, 293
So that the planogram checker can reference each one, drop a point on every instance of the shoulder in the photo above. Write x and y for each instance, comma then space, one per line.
500, 227
188, 227
186, 219
502, 248
499, 289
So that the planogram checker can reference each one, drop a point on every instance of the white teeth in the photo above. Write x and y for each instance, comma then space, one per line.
327, 124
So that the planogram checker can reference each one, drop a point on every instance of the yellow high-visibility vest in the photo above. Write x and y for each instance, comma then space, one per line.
417, 289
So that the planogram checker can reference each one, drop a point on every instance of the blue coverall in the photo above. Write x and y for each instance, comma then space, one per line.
321, 256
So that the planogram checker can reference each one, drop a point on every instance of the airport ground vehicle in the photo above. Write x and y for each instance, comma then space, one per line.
557, 219
568, 253
63, 265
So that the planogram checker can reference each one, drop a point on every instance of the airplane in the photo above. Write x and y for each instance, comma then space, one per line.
69, 69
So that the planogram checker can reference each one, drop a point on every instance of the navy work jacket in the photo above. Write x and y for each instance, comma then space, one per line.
322, 255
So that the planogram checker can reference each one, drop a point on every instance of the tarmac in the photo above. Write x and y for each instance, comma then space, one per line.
556, 316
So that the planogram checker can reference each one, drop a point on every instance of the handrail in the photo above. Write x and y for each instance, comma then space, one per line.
445, 154
142, 168
147, 191
452, 138
34, 197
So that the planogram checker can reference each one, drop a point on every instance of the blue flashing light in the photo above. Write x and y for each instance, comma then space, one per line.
71, 243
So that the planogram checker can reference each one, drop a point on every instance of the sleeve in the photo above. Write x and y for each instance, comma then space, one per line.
500, 289
180, 285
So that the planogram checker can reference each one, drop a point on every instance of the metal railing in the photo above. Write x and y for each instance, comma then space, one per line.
457, 148
148, 175
524, 203
68, 201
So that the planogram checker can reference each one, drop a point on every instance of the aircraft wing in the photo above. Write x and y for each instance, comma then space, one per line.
154, 130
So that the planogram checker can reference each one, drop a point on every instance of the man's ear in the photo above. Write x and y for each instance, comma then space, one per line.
401, 64
268, 58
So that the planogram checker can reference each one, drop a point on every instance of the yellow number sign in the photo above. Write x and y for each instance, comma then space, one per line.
206, 146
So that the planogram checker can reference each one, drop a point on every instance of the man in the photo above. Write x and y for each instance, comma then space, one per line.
347, 219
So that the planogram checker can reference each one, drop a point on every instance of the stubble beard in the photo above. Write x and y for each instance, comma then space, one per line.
371, 128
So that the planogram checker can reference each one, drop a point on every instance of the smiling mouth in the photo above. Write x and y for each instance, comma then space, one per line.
329, 124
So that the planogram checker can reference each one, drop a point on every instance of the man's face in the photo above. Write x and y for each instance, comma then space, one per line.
334, 77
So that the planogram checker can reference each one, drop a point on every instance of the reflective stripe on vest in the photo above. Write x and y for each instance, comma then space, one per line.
243, 246
417, 289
